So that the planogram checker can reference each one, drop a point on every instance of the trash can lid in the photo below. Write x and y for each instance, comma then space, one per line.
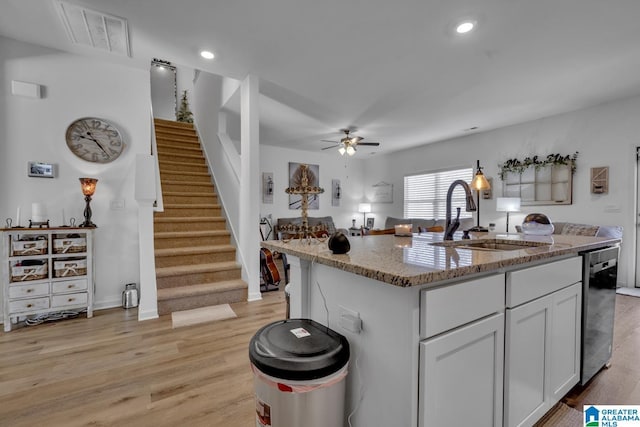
298, 349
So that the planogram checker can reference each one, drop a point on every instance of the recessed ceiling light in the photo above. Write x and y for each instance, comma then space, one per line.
465, 27
207, 55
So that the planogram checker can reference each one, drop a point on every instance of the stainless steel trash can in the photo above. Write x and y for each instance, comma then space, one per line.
299, 369
130, 296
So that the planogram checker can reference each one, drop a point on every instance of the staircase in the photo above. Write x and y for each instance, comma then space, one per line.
195, 261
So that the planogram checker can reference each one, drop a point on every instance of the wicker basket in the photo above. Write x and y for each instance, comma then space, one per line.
29, 247
69, 245
69, 267
24, 273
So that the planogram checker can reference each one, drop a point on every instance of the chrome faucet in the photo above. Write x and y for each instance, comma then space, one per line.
451, 227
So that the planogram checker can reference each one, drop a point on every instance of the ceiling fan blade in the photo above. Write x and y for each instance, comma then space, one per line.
327, 140
333, 146
374, 144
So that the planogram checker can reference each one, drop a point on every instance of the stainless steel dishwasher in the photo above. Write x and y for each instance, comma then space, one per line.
599, 277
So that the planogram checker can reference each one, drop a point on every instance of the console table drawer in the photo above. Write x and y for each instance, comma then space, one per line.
28, 290
31, 304
68, 299
69, 286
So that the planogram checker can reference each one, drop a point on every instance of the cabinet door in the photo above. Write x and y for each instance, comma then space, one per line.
528, 330
461, 375
565, 341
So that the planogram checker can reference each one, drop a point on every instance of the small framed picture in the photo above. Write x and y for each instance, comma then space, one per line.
370, 223
41, 170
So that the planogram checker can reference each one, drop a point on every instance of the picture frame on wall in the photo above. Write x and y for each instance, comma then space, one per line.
41, 170
382, 192
336, 192
267, 187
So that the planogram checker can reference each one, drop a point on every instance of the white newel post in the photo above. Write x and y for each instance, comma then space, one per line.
249, 184
145, 194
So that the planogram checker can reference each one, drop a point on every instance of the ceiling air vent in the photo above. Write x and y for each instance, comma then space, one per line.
88, 27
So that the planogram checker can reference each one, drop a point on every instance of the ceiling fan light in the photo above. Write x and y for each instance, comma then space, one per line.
351, 151
341, 150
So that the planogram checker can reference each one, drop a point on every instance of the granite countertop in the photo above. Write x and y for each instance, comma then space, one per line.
415, 260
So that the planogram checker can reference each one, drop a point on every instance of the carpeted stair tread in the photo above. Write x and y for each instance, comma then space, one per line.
186, 234
192, 206
200, 289
180, 141
193, 250
180, 219
193, 183
188, 173
190, 194
173, 123
196, 268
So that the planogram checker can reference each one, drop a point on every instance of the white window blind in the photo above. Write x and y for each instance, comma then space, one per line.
425, 195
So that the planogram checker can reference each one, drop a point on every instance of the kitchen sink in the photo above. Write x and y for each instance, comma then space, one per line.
490, 244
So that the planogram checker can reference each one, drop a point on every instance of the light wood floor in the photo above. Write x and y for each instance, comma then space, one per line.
113, 370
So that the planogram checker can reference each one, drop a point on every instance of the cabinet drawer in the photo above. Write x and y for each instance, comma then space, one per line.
69, 286
451, 306
28, 290
31, 304
534, 282
68, 299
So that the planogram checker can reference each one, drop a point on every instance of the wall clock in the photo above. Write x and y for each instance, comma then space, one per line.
94, 140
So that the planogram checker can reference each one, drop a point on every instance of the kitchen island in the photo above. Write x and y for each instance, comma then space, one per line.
466, 332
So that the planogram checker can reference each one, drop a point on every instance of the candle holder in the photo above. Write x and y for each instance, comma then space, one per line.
88, 189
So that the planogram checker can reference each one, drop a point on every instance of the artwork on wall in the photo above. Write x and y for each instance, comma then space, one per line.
382, 192
488, 194
336, 192
295, 180
41, 170
600, 180
267, 187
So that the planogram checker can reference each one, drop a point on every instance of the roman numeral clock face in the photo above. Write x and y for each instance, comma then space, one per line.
94, 140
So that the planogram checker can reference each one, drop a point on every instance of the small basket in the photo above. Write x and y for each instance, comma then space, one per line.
25, 273
29, 247
69, 267
71, 245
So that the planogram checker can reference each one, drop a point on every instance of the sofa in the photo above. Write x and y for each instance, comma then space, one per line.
390, 222
289, 226
561, 227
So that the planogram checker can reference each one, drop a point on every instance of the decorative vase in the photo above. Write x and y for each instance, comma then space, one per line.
338, 243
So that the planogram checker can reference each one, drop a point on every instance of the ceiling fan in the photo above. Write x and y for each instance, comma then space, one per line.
348, 143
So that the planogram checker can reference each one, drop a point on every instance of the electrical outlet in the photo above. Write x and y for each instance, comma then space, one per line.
349, 320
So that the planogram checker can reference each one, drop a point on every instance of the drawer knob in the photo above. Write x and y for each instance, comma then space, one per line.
29, 305
70, 286
29, 290
71, 299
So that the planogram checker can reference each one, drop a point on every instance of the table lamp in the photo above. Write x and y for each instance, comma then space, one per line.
88, 188
508, 204
365, 208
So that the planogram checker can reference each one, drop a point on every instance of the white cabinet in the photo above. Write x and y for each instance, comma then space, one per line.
461, 361
461, 375
46, 270
542, 344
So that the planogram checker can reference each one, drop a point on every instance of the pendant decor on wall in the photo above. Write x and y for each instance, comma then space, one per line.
336, 192
297, 173
539, 181
600, 180
267, 187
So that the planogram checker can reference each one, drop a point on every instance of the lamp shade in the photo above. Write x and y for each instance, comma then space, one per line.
88, 186
364, 207
480, 182
508, 204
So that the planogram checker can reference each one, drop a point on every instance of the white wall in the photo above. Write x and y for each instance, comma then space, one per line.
34, 129
605, 135
332, 166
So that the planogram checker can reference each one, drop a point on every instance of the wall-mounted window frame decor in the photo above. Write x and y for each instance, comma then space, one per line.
382, 192
540, 181
336, 192
600, 180
41, 170
295, 180
267, 187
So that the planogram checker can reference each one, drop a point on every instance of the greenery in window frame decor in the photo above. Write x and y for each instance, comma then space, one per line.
519, 166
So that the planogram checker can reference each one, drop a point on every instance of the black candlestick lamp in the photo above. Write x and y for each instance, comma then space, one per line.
88, 188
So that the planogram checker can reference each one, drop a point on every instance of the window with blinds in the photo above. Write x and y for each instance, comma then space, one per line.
425, 195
